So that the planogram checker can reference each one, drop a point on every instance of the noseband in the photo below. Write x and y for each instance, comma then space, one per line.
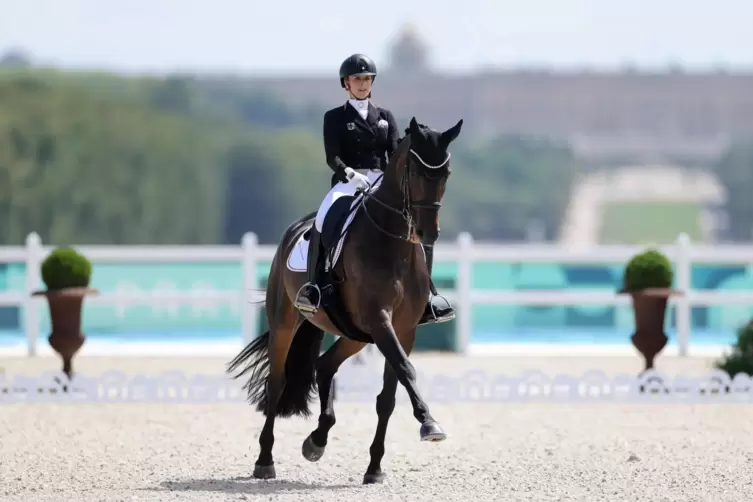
406, 212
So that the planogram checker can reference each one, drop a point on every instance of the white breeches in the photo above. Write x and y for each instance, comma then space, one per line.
341, 190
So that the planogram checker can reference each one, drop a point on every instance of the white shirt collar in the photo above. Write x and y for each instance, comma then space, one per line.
361, 106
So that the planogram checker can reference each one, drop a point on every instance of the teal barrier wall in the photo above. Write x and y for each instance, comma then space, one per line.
518, 323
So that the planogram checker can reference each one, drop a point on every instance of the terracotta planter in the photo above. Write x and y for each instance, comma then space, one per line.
650, 309
65, 315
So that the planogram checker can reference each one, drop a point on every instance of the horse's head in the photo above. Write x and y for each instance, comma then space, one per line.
424, 176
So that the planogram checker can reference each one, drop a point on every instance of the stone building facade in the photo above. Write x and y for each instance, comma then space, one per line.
642, 116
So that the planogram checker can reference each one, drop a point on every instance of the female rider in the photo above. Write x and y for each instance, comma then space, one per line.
359, 138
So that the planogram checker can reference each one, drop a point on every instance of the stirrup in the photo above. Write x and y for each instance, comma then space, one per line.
435, 318
307, 307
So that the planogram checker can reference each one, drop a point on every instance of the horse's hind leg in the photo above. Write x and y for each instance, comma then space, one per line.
326, 367
385, 405
280, 341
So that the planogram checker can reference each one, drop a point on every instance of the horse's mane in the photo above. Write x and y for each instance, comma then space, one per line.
398, 158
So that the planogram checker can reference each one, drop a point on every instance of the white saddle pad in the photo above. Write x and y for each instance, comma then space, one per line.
299, 254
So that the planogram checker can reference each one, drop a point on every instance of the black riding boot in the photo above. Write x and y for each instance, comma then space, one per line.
309, 295
438, 309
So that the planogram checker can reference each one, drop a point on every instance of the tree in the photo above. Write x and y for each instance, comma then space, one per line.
15, 58
514, 181
734, 173
77, 168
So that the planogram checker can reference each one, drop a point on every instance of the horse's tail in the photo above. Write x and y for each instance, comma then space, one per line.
300, 372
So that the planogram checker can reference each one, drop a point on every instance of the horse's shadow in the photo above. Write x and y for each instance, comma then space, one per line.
244, 484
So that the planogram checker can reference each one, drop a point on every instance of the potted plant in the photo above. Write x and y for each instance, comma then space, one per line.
66, 273
740, 360
648, 280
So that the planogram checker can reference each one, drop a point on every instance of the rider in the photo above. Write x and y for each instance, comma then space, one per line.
359, 139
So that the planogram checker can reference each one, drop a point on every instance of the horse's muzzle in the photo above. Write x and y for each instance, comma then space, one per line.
427, 237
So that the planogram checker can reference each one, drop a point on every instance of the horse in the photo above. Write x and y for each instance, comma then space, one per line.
382, 291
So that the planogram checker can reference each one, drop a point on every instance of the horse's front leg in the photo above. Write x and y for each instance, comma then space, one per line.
380, 327
385, 405
326, 366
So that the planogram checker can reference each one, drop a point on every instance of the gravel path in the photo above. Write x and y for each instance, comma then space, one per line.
495, 451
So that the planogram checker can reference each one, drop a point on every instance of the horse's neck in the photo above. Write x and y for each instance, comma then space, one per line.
387, 254
389, 193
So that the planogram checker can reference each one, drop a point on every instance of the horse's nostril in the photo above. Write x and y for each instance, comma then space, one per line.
420, 233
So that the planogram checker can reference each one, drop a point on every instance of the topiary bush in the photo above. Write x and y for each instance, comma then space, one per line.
66, 268
649, 269
740, 360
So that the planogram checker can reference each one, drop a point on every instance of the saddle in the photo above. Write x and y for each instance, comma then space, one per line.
333, 237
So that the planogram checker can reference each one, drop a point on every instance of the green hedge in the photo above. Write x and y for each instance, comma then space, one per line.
740, 360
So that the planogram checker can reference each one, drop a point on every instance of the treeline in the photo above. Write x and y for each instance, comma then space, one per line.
103, 159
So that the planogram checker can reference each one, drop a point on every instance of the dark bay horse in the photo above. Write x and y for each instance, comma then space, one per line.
385, 289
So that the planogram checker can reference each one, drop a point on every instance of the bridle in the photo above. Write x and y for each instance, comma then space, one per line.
406, 212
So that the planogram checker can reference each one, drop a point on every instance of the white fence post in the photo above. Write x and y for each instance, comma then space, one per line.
682, 306
250, 246
31, 305
464, 290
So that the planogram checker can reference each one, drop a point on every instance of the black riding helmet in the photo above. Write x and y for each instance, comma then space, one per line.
357, 64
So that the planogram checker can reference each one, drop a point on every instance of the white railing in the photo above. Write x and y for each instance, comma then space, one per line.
465, 253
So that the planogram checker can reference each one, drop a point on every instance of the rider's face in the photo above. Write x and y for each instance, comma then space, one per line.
359, 85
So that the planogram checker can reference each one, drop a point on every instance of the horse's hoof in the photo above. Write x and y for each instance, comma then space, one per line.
431, 431
264, 472
311, 452
372, 479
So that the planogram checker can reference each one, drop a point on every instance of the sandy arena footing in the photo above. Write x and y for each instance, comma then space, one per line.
607, 452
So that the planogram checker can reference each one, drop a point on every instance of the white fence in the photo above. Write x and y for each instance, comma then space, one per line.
464, 252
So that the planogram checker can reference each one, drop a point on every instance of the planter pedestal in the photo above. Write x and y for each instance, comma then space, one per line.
650, 308
65, 315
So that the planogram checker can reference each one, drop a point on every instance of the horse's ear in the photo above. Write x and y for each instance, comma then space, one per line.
413, 127
451, 134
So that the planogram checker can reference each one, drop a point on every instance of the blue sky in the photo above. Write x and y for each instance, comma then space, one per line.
245, 36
